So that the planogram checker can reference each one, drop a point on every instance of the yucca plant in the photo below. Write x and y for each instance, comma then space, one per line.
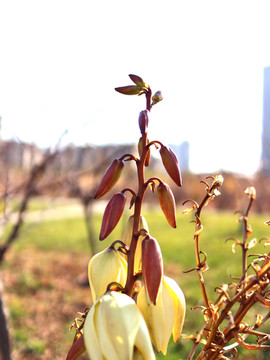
136, 306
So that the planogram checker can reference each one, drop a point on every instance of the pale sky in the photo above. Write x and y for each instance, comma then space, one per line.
60, 61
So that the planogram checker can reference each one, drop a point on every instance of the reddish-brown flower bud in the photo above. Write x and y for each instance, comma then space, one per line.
152, 267
143, 121
77, 348
112, 214
110, 178
167, 203
148, 155
129, 90
171, 164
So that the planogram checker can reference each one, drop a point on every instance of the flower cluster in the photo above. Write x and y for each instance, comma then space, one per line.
136, 308
135, 304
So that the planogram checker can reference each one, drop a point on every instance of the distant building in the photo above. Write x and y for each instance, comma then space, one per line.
266, 123
18, 154
77, 158
81, 158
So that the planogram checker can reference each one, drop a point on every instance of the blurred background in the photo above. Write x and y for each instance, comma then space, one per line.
61, 61
62, 123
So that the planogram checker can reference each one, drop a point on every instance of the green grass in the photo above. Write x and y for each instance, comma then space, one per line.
177, 245
57, 235
36, 203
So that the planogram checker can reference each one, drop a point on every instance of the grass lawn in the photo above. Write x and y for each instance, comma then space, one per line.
43, 270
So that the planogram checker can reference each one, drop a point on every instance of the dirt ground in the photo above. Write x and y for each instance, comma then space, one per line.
43, 293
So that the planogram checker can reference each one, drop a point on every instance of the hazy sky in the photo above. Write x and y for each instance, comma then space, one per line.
60, 61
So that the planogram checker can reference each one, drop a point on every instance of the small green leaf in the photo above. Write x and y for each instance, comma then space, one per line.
129, 90
137, 80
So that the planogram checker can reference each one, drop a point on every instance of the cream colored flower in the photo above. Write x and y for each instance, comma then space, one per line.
114, 329
127, 240
167, 316
105, 267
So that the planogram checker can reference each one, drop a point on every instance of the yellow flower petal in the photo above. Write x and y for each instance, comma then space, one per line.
105, 267
90, 335
180, 303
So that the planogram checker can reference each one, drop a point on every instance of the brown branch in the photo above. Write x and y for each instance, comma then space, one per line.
210, 194
245, 236
238, 338
35, 173
250, 290
243, 309
4, 333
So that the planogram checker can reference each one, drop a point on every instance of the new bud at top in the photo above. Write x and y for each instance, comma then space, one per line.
129, 90
138, 81
143, 121
110, 178
171, 164
157, 97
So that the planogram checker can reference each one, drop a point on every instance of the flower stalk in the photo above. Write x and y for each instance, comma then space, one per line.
114, 327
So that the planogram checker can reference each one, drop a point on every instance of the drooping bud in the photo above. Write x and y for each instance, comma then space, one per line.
129, 90
104, 268
148, 155
167, 316
127, 240
171, 164
143, 121
152, 268
110, 178
114, 328
138, 80
167, 203
77, 348
157, 97
112, 214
